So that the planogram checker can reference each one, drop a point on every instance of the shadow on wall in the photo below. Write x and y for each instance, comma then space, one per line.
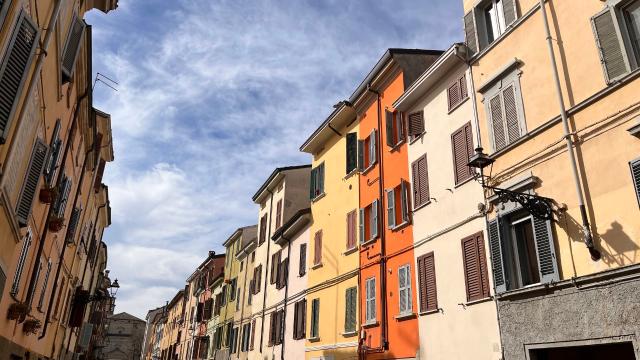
616, 247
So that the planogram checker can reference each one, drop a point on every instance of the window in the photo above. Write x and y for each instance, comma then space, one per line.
462, 149
350, 314
283, 271
427, 282
72, 47
54, 154
26, 243
351, 230
276, 320
635, 176
232, 289
488, 21
257, 279
315, 318
31, 181
299, 319
246, 335
370, 300
397, 205
504, 108
352, 152
416, 124
279, 214
263, 229
317, 248
522, 251
404, 289
394, 128
617, 32
367, 151
420, 181
475, 267
234, 340
302, 269
368, 222
275, 266
457, 92
317, 182
14, 67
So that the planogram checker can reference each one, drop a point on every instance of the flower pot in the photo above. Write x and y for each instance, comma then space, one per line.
17, 311
56, 224
48, 195
31, 326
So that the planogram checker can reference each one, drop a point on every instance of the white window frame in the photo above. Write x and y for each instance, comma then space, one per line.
370, 301
405, 290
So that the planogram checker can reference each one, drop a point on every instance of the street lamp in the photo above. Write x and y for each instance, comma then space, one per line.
113, 288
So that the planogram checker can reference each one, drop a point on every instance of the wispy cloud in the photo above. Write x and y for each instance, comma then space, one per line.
212, 96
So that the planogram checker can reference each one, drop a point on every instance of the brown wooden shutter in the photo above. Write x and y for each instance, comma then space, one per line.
263, 228
612, 52
96, 185
72, 48
31, 181
282, 273
253, 333
272, 318
453, 95
416, 123
302, 268
475, 267
258, 279
351, 229
423, 180
273, 272
73, 224
317, 253
415, 175
463, 87
471, 35
427, 281
462, 146
14, 69
279, 214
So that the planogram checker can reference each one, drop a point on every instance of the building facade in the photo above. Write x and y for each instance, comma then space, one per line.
124, 337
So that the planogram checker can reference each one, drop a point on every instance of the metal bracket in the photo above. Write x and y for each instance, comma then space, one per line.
538, 206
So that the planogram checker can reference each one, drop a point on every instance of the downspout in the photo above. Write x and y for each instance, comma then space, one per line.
474, 104
43, 53
381, 227
266, 269
286, 294
62, 252
595, 254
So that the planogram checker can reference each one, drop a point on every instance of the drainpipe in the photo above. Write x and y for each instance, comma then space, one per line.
266, 269
381, 228
568, 136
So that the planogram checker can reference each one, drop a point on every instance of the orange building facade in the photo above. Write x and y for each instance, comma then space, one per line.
389, 325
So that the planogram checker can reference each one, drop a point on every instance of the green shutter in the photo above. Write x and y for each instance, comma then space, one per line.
495, 245
321, 179
350, 310
546, 250
312, 184
352, 152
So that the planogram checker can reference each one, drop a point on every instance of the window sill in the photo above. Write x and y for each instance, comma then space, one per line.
479, 301
317, 198
406, 316
316, 266
370, 324
349, 333
351, 173
314, 339
421, 206
464, 182
400, 226
397, 146
458, 105
429, 312
368, 242
417, 137
350, 251
368, 168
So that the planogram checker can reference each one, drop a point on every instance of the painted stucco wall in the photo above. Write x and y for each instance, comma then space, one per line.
440, 226
330, 217
297, 285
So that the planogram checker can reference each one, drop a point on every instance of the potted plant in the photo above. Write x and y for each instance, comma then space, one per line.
17, 311
48, 194
56, 223
31, 326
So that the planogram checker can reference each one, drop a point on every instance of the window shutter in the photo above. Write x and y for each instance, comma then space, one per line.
274, 268
495, 246
427, 278
415, 176
303, 321
472, 271
351, 230
317, 253
486, 291
423, 172
471, 35
361, 226
52, 159
253, 334
14, 69
320, 179
3, 281
399, 126
510, 11
96, 185
350, 310
302, 268
389, 127
416, 123
402, 283
279, 214
72, 47
635, 176
31, 181
284, 271
612, 52
312, 186
263, 225
454, 95
462, 145
315, 317
546, 250
511, 113
372, 147
463, 87
272, 319
360, 155
85, 335
63, 197
391, 211
404, 199
497, 122
15, 287
352, 151
374, 219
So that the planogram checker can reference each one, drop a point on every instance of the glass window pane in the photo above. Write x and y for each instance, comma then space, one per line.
632, 15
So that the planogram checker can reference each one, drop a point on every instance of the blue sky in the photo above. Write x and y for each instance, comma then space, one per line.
214, 94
